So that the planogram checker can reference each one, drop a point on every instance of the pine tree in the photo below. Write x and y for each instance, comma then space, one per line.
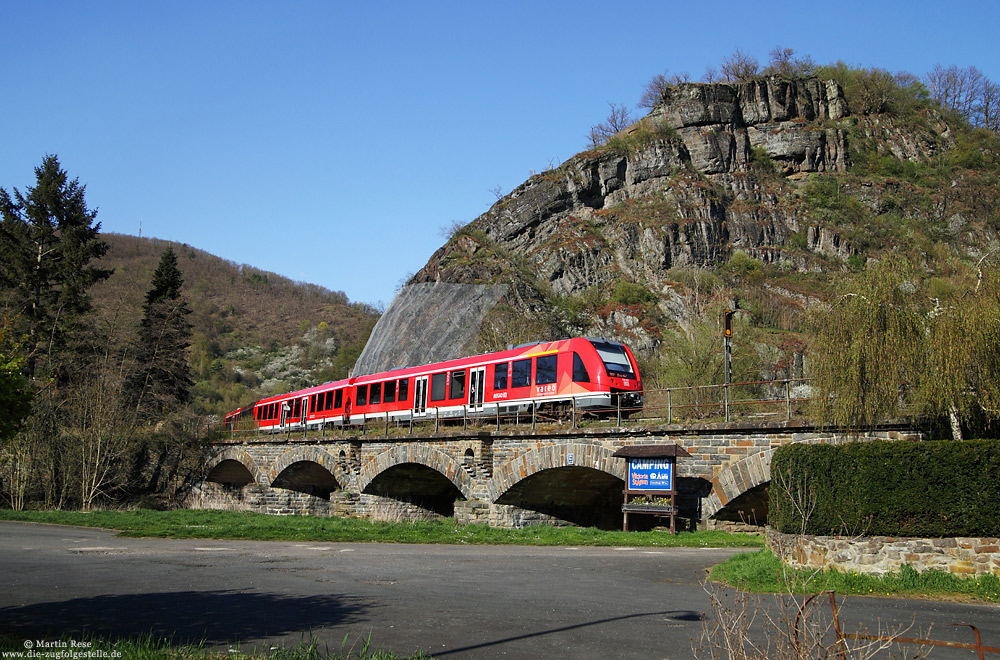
48, 238
163, 382
15, 393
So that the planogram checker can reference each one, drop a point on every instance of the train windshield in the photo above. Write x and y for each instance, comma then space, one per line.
615, 359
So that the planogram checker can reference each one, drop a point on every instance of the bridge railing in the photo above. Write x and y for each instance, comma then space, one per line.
766, 400
784, 399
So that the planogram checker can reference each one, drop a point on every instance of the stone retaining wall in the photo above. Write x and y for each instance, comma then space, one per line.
886, 554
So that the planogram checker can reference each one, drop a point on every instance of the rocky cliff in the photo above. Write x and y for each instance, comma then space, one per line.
613, 242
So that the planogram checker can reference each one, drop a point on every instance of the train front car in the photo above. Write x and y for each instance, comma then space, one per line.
618, 379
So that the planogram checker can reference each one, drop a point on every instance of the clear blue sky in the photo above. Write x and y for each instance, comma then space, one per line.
331, 142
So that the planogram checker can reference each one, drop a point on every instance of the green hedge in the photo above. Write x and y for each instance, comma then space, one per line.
925, 489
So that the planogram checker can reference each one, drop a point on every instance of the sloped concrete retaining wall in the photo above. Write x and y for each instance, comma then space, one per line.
885, 554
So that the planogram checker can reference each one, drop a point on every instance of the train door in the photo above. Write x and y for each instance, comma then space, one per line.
420, 396
285, 412
305, 410
477, 387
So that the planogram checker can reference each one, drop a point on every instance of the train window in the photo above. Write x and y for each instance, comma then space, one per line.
457, 388
361, 398
500, 376
270, 410
615, 359
338, 399
375, 393
580, 374
437, 386
389, 392
329, 400
297, 410
545, 369
404, 389
312, 403
521, 373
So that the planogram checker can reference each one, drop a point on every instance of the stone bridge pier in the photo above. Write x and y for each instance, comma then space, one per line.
507, 478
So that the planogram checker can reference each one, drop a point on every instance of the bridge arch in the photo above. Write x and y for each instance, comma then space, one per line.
316, 455
438, 461
224, 467
737, 479
554, 456
310, 470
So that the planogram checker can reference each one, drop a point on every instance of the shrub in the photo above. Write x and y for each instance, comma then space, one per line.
629, 293
742, 268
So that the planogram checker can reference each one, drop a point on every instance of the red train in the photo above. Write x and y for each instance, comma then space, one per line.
591, 375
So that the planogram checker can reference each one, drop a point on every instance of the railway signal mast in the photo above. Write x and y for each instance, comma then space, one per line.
727, 335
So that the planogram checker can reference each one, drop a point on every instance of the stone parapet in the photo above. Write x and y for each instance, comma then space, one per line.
887, 554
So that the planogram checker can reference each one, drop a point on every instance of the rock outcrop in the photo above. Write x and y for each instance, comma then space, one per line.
711, 171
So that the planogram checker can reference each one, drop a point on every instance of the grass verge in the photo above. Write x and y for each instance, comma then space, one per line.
148, 648
197, 523
762, 572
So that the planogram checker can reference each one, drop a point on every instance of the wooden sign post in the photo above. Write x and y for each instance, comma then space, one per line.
649, 482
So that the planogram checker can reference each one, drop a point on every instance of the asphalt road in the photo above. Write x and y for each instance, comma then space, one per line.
449, 601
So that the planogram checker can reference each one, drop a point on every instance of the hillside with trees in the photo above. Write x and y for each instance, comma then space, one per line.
253, 332
118, 355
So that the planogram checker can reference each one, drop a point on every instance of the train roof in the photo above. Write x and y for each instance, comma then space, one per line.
516, 352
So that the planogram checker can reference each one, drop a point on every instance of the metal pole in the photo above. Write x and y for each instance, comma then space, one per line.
788, 401
729, 375
534, 407
574, 411
670, 412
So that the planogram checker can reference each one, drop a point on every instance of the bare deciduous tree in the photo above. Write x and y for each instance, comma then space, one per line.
658, 84
968, 92
954, 88
989, 107
100, 422
783, 62
617, 120
739, 67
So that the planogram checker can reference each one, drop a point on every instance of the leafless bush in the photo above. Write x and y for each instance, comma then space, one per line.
743, 626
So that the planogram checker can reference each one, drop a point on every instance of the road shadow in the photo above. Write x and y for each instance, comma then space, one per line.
676, 615
185, 617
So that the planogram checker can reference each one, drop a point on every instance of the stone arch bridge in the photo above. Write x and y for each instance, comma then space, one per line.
503, 478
